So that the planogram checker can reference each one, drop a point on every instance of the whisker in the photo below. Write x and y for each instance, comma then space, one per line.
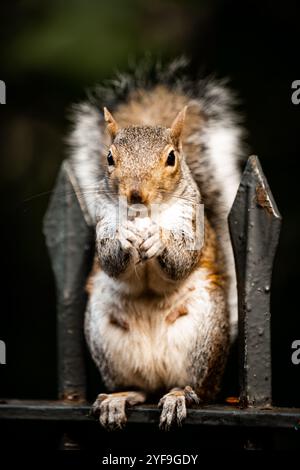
80, 194
184, 198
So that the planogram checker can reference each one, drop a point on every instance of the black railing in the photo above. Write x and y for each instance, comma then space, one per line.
254, 223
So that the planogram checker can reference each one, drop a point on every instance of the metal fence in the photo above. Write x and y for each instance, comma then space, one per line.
254, 223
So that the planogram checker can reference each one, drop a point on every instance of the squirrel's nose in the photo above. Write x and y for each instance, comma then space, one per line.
135, 197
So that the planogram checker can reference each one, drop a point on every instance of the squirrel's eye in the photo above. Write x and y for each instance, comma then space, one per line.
171, 159
110, 159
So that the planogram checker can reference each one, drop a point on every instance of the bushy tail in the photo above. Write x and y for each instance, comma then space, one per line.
216, 169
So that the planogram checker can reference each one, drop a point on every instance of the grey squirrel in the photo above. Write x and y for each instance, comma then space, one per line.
162, 294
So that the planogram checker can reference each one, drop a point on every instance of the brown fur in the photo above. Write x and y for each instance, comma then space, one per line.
216, 360
176, 313
89, 287
211, 260
158, 106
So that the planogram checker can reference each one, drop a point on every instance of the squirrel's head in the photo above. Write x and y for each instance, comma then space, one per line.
144, 162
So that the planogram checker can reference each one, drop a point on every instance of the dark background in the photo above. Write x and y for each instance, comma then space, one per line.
50, 52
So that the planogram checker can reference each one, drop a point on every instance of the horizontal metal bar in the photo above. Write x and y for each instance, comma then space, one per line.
214, 415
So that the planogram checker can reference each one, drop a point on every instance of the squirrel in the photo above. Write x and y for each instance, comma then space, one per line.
158, 171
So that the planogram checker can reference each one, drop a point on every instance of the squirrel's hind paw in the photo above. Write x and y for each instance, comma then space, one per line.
110, 408
174, 405
110, 411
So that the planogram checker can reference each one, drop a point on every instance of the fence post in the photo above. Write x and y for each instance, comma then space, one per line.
254, 223
69, 241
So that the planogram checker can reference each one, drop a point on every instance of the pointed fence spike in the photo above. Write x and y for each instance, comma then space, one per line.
69, 242
254, 223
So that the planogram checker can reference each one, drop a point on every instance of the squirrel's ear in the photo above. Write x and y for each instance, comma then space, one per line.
112, 125
177, 126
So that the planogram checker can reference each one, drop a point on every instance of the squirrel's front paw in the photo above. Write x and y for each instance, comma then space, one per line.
130, 240
174, 405
110, 408
152, 245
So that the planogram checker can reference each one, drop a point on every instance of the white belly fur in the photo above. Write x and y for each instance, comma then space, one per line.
151, 353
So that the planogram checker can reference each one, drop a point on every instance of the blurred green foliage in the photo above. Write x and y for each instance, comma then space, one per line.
83, 40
